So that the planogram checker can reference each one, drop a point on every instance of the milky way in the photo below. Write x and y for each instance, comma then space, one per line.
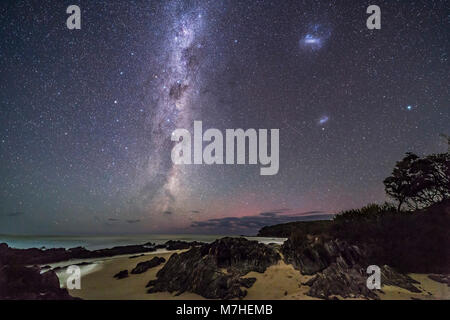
175, 94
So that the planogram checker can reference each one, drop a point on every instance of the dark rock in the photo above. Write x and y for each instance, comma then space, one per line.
121, 274
141, 267
391, 277
340, 268
136, 256
350, 281
181, 245
240, 255
33, 256
27, 283
247, 282
343, 281
314, 255
200, 270
442, 278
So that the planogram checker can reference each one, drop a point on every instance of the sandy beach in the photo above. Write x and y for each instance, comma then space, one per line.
100, 283
280, 281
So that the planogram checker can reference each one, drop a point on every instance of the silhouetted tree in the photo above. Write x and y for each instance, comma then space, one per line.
419, 182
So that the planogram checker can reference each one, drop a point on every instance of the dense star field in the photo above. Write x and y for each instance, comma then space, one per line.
86, 115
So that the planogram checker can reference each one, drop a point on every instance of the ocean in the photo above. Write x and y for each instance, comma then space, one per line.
102, 242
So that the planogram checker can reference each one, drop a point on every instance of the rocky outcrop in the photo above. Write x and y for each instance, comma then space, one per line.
214, 270
141, 267
344, 281
35, 256
239, 255
442, 278
314, 255
121, 274
391, 277
27, 283
181, 245
337, 280
339, 269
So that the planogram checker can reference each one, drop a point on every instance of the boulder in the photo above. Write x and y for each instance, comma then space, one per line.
338, 281
442, 278
339, 268
391, 277
121, 274
27, 283
214, 270
239, 255
141, 267
342, 280
315, 255
181, 245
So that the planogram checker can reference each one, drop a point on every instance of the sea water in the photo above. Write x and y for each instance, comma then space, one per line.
102, 242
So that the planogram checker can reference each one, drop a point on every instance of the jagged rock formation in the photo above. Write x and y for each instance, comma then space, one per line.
337, 280
27, 283
442, 278
201, 269
339, 268
239, 255
314, 255
141, 267
351, 282
391, 277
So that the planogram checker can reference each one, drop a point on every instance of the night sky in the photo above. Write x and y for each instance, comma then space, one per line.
86, 115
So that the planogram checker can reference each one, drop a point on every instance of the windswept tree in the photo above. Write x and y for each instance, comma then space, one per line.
419, 182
